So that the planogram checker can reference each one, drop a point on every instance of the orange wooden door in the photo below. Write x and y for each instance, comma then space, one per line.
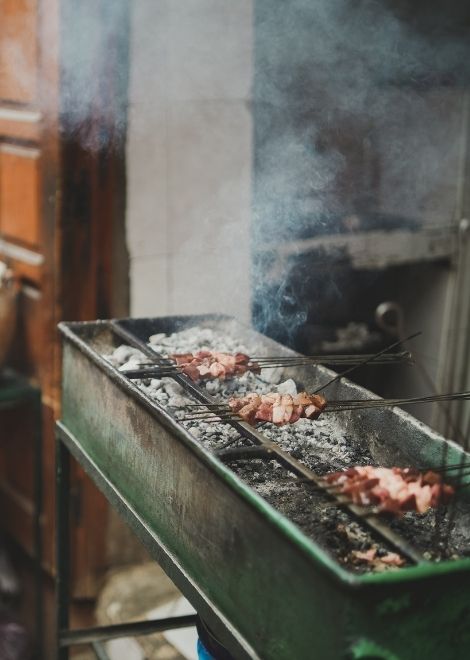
60, 199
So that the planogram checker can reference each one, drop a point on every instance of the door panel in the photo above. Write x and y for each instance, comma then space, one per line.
26, 264
20, 124
20, 194
28, 353
18, 50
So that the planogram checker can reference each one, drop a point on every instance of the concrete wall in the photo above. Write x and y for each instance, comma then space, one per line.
421, 143
189, 156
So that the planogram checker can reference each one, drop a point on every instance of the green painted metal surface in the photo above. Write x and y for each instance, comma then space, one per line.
234, 555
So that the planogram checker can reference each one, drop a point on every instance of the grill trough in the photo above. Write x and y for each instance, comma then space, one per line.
278, 567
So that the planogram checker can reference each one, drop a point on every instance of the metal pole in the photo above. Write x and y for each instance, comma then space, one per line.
62, 544
132, 629
99, 651
38, 497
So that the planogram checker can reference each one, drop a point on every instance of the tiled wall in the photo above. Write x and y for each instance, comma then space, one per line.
189, 156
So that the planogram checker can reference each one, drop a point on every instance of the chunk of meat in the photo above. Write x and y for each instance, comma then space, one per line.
237, 403
217, 370
281, 409
226, 360
392, 490
375, 561
249, 410
210, 365
193, 371
182, 358
303, 399
312, 412
264, 412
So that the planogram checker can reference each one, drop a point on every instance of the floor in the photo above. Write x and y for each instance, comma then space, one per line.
144, 592
131, 593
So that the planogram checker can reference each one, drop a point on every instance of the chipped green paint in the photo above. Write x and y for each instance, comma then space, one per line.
365, 649
393, 605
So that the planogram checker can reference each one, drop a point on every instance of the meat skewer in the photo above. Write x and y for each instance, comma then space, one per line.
209, 365
392, 490
280, 409
463, 469
287, 409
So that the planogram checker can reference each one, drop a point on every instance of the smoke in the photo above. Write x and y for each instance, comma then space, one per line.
331, 78
320, 110
357, 112
93, 48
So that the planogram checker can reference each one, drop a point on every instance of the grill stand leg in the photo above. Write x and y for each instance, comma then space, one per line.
38, 497
62, 544
93, 636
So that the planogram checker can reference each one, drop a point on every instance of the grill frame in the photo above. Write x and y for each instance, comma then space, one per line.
271, 625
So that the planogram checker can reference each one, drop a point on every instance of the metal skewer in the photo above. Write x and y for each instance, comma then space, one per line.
222, 411
332, 359
166, 368
367, 360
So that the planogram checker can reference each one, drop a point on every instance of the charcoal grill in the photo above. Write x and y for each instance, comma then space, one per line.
264, 588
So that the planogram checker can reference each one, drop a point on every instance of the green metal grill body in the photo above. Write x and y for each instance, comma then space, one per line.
266, 589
